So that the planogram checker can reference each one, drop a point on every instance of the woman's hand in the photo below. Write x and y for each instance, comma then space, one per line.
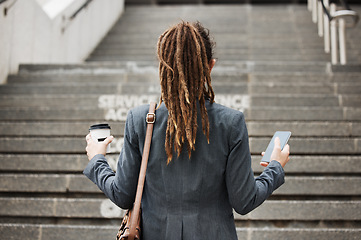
93, 148
280, 156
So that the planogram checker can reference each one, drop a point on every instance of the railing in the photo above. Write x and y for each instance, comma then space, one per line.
81, 8
7, 8
67, 21
329, 17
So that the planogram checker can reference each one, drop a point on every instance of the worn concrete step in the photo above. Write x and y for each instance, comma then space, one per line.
57, 232
222, 53
255, 128
298, 233
224, 40
305, 129
336, 77
281, 68
80, 68
219, 74
55, 128
66, 183
305, 210
120, 114
141, 88
244, 57
240, 65
103, 208
149, 76
269, 99
326, 146
71, 163
266, 57
91, 232
90, 78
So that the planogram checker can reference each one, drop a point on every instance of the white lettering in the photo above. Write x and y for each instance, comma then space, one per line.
117, 106
116, 114
124, 101
106, 101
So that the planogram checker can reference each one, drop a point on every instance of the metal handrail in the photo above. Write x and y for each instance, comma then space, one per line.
81, 8
68, 20
332, 24
7, 8
347, 12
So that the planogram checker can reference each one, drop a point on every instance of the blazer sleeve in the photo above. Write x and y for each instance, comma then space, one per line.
246, 192
120, 186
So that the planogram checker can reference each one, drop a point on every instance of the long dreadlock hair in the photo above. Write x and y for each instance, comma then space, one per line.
184, 53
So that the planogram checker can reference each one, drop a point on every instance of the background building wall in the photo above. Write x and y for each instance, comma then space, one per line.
43, 32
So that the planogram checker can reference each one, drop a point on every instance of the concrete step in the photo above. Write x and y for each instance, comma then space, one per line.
102, 208
119, 114
223, 53
306, 77
63, 231
108, 67
75, 163
244, 57
257, 25
127, 76
141, 88
78, 183
219, 74
305, 210
269, 99
255, 128
295, 68
67, 145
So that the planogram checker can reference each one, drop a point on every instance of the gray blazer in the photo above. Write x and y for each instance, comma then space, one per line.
189, 198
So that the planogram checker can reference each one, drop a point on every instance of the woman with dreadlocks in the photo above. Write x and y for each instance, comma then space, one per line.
199, 167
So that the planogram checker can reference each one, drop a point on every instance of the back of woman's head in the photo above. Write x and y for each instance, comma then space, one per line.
185, 51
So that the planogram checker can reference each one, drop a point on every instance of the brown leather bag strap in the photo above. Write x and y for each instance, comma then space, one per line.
148, 138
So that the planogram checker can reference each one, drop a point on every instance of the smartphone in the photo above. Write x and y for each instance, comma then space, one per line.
283, 136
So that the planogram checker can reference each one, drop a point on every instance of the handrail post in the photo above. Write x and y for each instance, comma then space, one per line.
320, 18
309, 5
314, 11
326, 28
342, 40
333, 31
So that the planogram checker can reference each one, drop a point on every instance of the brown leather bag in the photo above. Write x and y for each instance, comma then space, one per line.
130, 226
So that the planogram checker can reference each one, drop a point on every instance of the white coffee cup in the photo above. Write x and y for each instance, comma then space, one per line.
99, 132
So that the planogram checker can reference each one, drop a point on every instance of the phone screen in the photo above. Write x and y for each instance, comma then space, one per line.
283, 136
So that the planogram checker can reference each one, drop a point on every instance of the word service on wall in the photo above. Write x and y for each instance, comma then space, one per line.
117, 106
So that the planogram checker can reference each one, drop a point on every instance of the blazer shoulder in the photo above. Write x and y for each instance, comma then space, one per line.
223, 112
138, 114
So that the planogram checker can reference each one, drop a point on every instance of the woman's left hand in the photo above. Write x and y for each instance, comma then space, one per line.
93, 148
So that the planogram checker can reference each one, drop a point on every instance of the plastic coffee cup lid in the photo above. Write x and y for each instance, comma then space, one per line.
99, 126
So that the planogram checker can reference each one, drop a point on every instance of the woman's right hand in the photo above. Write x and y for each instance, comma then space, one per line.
281, 156
93, 148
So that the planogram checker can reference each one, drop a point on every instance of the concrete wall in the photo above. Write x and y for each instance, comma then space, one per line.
42, 32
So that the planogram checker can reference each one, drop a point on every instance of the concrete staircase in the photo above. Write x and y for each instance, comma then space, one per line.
270, 65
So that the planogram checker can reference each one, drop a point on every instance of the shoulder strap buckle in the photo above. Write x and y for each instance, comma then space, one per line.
150, 118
